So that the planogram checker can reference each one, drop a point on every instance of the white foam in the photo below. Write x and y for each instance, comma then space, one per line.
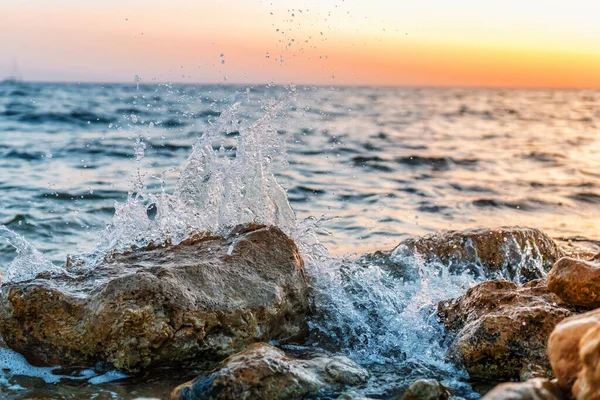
17, 365
14, 364
110, 376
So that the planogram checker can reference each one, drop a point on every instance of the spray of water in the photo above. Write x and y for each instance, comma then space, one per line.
380, 319
29, 262
361, 308
216, 190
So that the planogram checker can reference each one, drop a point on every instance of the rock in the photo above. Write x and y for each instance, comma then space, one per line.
174, 305
515, 253
353, 396
265, 372
498, 327
531, 371
535, 389
427, 389
587, 386
576, 281
564, 349
579, 247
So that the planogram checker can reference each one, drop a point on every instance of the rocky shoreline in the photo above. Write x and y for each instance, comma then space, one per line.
234, 308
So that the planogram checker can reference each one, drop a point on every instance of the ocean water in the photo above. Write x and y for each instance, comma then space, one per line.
370, 165
382, 163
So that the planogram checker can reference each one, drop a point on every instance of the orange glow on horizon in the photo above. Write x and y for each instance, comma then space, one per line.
346, 44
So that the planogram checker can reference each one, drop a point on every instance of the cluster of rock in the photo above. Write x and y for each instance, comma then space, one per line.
540, 332
216, 302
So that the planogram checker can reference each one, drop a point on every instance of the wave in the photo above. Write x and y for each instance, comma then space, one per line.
586, 197
23, 155
437, 163
77, 117
95, 195
522, 205
374, 163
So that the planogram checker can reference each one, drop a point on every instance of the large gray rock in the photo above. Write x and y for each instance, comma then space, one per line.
515, 253
498, 327
265, 372
201, 300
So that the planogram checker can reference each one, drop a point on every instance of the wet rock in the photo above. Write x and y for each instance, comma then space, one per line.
531, 371
427, 389
576, 281
565, 346
498, 327
535, 389
515, 253
587, 386
579, 247
353, 396
265, 372
180, 305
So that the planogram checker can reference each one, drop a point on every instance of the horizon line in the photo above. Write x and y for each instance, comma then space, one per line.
339, 85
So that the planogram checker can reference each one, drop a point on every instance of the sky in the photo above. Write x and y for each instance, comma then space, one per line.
507, 43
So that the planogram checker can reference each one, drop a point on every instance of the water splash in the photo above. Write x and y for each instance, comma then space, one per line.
362, 308
217, 188
379, 318
29, 262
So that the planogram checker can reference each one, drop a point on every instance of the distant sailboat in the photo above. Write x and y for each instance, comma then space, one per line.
15, 76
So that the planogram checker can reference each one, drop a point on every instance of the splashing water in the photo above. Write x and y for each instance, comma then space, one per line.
28, 263
380, 319
362, 308
216, 189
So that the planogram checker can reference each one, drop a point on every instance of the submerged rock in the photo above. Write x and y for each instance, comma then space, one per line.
576, 281
177, 305
515, 253
265, 372
427, 389
535, 389
566, 348
499, 327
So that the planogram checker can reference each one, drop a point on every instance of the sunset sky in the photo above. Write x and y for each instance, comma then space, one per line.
522, 43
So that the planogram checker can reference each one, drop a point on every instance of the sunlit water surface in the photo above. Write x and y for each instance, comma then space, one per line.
374, 164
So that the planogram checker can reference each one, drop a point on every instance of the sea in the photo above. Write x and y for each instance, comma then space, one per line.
362, 168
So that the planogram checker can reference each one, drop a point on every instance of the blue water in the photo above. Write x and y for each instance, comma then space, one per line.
375, 164
384, 162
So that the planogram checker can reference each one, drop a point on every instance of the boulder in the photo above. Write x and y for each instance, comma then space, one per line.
265, 372
576, 281
427, 389
535, 389
515, 253
587, 385
163, 305
498, 328
565, 346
